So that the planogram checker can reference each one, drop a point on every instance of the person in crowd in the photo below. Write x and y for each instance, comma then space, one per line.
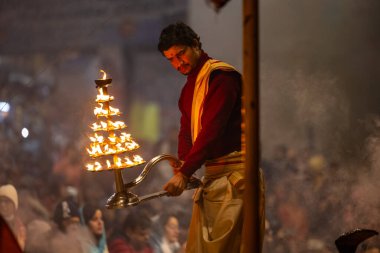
134, 235
67, 235
166, 236
66, 216
8, 210
95, 236
38, 230
210, 135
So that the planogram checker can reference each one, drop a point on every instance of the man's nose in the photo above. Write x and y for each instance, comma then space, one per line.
177, 62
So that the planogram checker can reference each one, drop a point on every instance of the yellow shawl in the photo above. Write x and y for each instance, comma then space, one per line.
200, 92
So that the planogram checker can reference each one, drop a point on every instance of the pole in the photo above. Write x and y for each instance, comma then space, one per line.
251, 134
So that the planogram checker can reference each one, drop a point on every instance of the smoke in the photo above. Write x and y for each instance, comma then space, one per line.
303, 109
365, 194
319, 91
319, 73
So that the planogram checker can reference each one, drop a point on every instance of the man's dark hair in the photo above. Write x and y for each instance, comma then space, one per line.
178, 34
136, 220
64, 210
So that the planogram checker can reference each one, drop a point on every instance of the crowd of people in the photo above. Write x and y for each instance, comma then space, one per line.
309, 203
84, 228
311, 200
64, 209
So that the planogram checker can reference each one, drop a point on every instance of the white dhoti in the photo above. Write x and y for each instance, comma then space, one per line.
217, 218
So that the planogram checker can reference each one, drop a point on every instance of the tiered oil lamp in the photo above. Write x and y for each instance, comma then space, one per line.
110, 149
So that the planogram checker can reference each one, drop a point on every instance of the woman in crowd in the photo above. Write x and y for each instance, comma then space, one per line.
166, 235
95, 239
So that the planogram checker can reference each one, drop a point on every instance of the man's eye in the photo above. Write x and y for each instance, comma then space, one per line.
181, 52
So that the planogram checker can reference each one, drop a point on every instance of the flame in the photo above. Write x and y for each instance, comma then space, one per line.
101, 97
138, 159
115, 143
128, 161
124, 137
104, 74
97, 138
118, 163
119, 148
99, 111
95, 149
132, 145
94, 167
114, 111
112, 138
101, 126
117, 124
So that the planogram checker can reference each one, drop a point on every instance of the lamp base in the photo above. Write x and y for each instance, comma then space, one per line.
122, 199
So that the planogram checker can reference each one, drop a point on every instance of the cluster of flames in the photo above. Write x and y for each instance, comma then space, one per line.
109, 144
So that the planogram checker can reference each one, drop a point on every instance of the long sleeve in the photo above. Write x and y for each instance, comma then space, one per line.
184, 137
221, 122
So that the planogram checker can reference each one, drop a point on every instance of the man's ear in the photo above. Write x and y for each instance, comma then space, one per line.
196, 44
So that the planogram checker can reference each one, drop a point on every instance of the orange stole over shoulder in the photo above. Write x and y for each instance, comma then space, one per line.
200, 92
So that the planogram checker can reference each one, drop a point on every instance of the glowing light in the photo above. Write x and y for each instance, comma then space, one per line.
118, 162
25, 132
138, 159
101, 97
124, 137
94, 167
97, 138
4, 107
99, 111
101, 126
113, 142
104, 74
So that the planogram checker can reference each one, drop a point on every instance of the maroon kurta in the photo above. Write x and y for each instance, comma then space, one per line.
221, 118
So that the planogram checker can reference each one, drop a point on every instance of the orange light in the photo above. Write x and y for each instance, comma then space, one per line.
112, 142
104, 74
101, 97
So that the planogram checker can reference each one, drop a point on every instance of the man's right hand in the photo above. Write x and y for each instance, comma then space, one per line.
176, 185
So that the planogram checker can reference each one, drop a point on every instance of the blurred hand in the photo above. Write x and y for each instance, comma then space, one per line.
176, 185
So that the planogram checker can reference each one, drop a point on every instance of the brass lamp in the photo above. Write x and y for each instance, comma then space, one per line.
110, 149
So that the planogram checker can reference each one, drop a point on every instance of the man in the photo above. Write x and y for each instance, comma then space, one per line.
67, 235
134, 235
210, 135
67, 216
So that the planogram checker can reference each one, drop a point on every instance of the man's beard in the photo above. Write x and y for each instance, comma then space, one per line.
184, 69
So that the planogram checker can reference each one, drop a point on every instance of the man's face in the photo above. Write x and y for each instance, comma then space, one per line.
183, 58
139, 237
71, 224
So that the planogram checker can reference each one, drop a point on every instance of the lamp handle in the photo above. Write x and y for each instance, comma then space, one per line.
149, 166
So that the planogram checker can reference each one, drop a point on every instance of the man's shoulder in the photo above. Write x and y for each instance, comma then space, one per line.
221, 73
